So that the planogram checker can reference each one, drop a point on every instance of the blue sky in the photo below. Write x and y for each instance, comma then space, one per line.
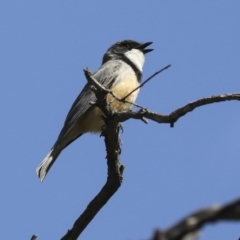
169, 172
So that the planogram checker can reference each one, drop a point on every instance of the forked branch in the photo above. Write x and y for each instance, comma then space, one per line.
115, 168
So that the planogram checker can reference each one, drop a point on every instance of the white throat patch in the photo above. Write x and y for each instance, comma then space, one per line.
136, 57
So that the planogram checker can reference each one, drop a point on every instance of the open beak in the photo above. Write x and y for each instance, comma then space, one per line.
143, 46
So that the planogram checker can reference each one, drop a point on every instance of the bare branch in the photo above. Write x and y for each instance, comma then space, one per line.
101, 88
144, 82
98, 88
194, 222
175, 115
141, 85
115, 168
92, 81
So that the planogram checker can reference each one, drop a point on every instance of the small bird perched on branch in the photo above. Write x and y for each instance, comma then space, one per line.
120, 72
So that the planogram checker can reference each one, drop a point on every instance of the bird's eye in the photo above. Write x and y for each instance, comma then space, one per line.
126, 45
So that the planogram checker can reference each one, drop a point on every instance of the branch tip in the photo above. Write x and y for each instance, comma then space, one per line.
147, 80
34, 237
144, 120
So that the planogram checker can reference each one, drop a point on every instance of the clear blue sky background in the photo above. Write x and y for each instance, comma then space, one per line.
44, 45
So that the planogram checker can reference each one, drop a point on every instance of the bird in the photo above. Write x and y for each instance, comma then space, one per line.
120, 72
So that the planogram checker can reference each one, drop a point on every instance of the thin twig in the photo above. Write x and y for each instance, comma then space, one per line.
144, 82
92, 81
34, 237
97, 88
141, 85
100, 87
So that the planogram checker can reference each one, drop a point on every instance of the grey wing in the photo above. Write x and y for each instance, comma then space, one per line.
106, 75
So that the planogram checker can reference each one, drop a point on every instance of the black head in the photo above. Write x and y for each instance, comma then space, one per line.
118, 49
127, 45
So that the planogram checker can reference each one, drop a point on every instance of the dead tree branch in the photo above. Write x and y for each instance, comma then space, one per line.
195, 221
147, 80
115, 168
175, 115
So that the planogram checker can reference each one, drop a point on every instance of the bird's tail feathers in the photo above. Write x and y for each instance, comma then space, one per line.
47, 162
